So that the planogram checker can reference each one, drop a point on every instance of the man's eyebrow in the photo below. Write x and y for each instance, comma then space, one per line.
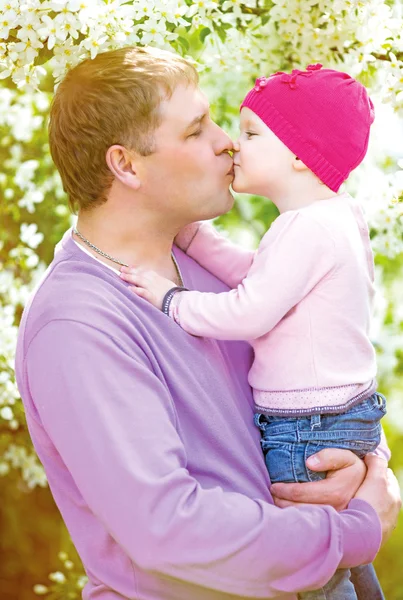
197, 120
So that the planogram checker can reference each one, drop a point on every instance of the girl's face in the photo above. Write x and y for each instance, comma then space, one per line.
263, 164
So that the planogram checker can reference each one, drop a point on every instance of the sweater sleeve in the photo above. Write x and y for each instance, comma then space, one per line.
383, 449
293, 257
216, 253
113, 423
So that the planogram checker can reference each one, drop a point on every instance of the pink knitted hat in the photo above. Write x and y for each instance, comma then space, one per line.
321, 115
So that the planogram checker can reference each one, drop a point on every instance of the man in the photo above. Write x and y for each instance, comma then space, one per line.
146, 433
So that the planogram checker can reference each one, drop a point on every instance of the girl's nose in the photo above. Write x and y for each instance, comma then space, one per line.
236, 146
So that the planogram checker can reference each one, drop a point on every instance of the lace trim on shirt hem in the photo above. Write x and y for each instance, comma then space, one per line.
334, 409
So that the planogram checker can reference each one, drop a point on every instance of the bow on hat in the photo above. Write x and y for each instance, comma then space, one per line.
289, 78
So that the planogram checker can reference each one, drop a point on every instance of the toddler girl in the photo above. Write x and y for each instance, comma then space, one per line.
303, 299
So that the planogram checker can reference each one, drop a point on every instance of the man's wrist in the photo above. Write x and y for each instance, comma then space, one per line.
361, 534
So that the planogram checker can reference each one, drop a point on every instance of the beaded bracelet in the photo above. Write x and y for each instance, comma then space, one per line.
168, 298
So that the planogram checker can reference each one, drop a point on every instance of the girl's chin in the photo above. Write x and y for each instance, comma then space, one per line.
243, 187
237, 185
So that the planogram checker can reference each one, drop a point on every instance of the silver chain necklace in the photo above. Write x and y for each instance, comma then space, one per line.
119, 262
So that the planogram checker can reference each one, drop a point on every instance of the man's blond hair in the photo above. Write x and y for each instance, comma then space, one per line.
113, 99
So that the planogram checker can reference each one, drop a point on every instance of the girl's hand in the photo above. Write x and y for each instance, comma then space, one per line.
147, 284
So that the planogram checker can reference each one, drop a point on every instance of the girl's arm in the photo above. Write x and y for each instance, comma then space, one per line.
224, 259
293, 257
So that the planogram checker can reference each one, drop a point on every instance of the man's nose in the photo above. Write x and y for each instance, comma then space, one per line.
223, 141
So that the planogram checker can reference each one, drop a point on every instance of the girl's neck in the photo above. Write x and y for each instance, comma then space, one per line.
299, 198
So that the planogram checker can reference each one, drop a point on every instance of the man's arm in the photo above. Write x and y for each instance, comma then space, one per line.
114, 425
216, 253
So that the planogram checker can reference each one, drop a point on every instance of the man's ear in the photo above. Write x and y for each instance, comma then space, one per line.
298, 165
122, 164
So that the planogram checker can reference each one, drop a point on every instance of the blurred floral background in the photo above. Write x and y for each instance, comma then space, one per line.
232, 42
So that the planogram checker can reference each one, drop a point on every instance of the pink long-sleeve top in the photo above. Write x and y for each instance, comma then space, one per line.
303, 300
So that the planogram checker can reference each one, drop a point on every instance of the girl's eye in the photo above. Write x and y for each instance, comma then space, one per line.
249, 134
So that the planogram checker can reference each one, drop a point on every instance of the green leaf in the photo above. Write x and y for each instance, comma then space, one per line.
204, 33
184, 43
221, 33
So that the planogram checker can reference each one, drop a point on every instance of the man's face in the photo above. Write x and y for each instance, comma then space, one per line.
189, 174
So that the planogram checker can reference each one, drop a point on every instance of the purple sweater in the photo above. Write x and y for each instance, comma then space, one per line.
147, 439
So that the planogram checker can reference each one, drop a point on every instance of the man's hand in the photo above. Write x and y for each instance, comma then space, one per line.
346, 473
147, 284
381, 490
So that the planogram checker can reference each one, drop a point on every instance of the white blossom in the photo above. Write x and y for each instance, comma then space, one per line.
154, 32
57, 577
7, 20
25, 173
29, 235
4, 468
32, 471
95, 44
6, 413
40, 590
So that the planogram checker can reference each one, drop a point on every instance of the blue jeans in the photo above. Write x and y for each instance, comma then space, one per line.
287, 442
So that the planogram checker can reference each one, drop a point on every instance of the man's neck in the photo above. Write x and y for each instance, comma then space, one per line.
135, 246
